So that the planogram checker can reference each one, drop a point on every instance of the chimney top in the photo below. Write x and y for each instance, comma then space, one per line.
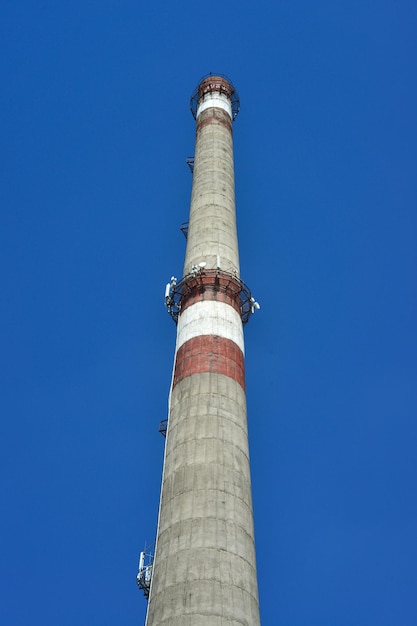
216, 87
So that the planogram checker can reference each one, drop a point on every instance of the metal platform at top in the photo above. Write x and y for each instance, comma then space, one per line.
232, 94
215, 279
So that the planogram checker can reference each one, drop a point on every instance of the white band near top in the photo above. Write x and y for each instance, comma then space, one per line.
215, 99
210, 317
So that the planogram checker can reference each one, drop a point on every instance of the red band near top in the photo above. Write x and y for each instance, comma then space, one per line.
210, 353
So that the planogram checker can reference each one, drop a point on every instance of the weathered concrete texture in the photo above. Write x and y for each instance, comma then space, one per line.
205, 559
212, 226
204, 571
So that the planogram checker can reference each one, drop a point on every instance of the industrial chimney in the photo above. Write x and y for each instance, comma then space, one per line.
204, 569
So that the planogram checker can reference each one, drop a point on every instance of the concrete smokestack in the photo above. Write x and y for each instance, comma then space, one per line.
204, 570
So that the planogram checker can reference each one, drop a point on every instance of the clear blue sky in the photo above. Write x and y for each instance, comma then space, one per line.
95, 132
